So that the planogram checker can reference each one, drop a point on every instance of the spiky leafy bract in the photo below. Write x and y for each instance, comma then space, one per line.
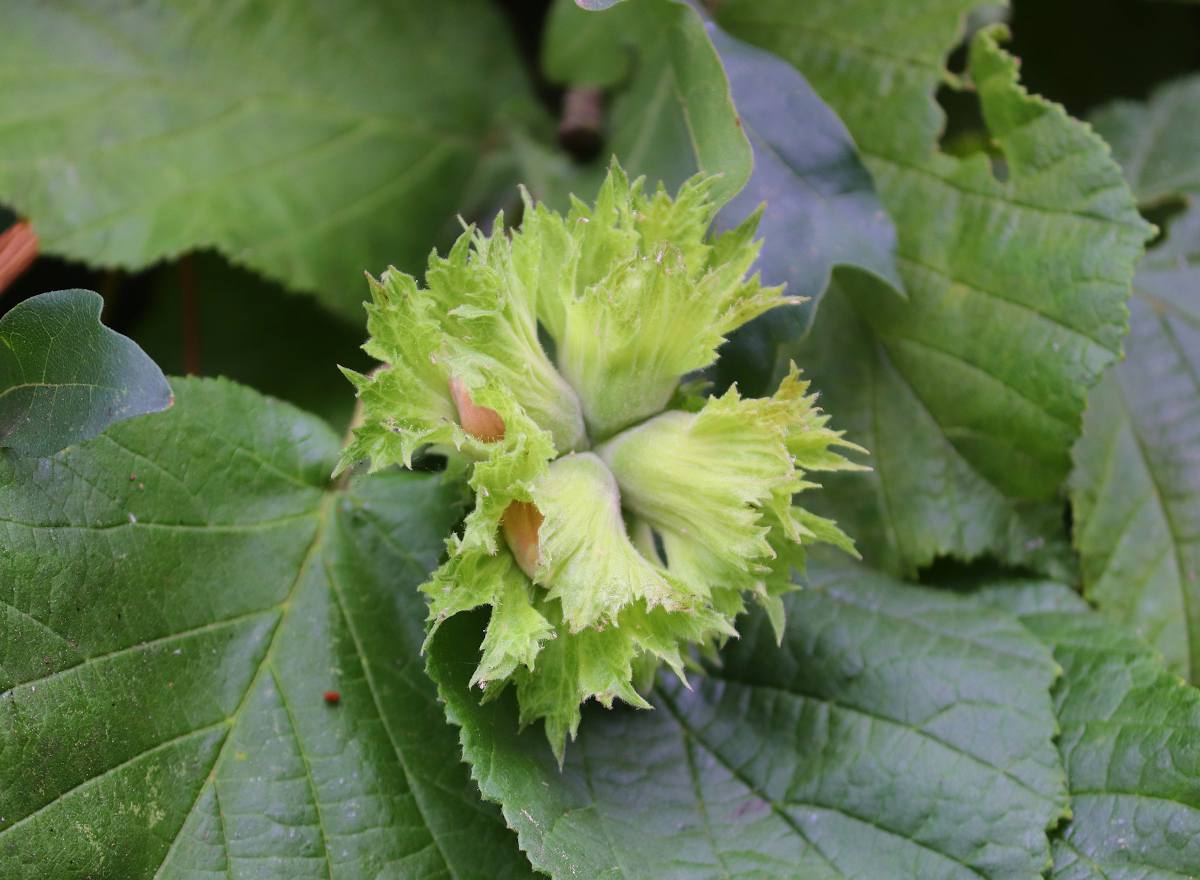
637, 552
471, 325
717, 486
636, 296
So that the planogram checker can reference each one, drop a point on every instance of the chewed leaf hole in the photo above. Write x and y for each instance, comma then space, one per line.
964, 132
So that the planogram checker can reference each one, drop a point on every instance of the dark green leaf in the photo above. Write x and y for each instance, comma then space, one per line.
1136, 483
65, 377
969, 394
306, 141
671, 114
897, 732
177, 595
822, 209
1130, 741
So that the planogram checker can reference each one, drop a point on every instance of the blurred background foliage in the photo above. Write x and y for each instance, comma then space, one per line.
200, 314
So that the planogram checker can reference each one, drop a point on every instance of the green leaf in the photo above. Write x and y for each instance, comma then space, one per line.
1130, 741
65, 377
177, 594
672, 114
822, 208
1157, 142
1136, 484
898, 732
304, 143
1135, 488
969, 394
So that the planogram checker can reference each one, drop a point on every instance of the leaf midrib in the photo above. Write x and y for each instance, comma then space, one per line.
116, 768
56, 385
323, 514
776, 808
218, 528
308, 778
368, 675
1166, 509
1004, 198
145, 645
152, 68
897, 723
779, 809
844, 39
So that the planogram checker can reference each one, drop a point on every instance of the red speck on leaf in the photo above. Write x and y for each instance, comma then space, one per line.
333, 697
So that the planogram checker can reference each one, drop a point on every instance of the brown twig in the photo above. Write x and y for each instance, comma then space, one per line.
191, 318
18, 250
581, 131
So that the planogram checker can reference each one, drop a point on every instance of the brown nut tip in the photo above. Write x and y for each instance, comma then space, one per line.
481, 422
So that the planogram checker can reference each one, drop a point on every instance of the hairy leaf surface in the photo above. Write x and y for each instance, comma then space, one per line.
1136, 483
1130, 742
308, 142
176, 596
897, 732
65, 377
969, 393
